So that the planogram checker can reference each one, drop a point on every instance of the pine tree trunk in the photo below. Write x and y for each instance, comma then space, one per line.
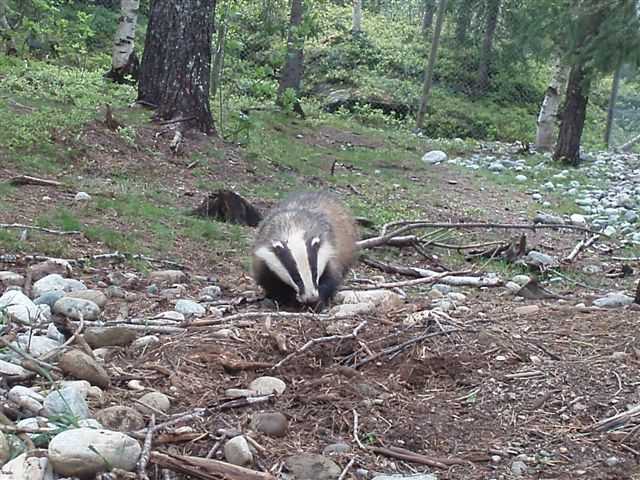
612, 105
547, 124
291, 77
428, 74
427, 17
5, 31
124, 61
572, 118
493, 11
176, 64
357, 16
463, 22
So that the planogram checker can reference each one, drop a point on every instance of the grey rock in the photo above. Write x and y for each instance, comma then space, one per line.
537, 197
36, 345
145, 341
613, 300
82, 197
540, 260
56, 282
167, 277
578, 219
54, 334
76, 308
65, 401
309, 466
35, 466
189, 308
10, 279
548, 219
456, 297
434, 157
521, 178
173, 293
120, 419
518, 468
496, 167
49, 298
521, 280
612, 461
98, 337
350, 309
115, 291
26, 399
237, 451
209, 293
84, 452
610, 231
156, 401
19, 308
170, 315
267, 385
11, 369
82, 366
274, 424
513, 287
95, 296
630, 216
5, 449
336, 449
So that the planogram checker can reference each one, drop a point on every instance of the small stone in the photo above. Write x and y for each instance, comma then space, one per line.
351, 309
36, 345
610, 231
82, 366
268, 385
547, 219
618, 356
535, 359
207, 294
82, 197
578, 219
496, 458
612, 461
49, 298
10, 279
513, 287
540, 260
526, 310
167, 277
237, 451
98, 337
153, 402
336, 449
274, 424
11, 369
457, 296
310, 466
521, 280
136, 385
26, 399
56, 282
95, 296
66, 401
120, 419
496, 167
521, 178
145, 341
434, 157
536, 196
384, 299
114, 291
76, 308
170, 315
189, 308
518, 468
19, 308
84, 452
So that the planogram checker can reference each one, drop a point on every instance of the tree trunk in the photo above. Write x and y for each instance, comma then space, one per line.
463, 21
612, 104
176, 64
428, 74
291, 77
493, 11
547, 129
5, 30
357, 16
218, 57
124, 61
427, 17
572, 118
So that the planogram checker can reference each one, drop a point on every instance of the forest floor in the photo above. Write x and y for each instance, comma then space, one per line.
507, 393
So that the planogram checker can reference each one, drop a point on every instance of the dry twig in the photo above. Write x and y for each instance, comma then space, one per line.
206, 468
19, 226
146, 450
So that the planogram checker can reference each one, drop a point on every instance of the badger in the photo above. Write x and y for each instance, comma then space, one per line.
303, 249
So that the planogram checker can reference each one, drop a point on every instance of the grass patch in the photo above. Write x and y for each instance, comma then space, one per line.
112, 239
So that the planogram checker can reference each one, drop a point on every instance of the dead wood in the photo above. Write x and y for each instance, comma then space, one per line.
409, 457
399, 269
637, 297
580, 246
236, 365
206, 468
228, 206
19, 226
28, 180
146, 450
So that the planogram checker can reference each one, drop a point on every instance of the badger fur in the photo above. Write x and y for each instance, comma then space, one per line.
303, 249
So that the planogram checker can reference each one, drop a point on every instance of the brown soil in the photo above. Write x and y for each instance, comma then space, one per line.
501, 385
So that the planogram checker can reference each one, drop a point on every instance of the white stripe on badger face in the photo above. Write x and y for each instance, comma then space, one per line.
274, 264
298, 249
325, 253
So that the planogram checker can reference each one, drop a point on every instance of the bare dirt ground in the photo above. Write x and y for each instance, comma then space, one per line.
503, 387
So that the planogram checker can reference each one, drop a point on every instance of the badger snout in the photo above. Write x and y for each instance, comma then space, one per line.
308, 298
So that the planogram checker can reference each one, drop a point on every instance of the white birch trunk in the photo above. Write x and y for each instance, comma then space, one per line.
123, 43
357, 16
547, 131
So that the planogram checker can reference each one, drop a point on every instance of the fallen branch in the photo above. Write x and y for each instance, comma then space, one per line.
28, 180
615, 420
19, 226
580, 246
207, 468
146, 450
316, 341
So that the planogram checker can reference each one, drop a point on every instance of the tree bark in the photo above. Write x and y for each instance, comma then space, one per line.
572, 118
427, 17
547, 124
291, 77
612, 105
124, 61
176, 64
428, 74
5, 31
357, 16
493, 11
463, 21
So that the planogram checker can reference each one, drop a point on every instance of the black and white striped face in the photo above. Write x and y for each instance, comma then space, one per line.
299, 262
